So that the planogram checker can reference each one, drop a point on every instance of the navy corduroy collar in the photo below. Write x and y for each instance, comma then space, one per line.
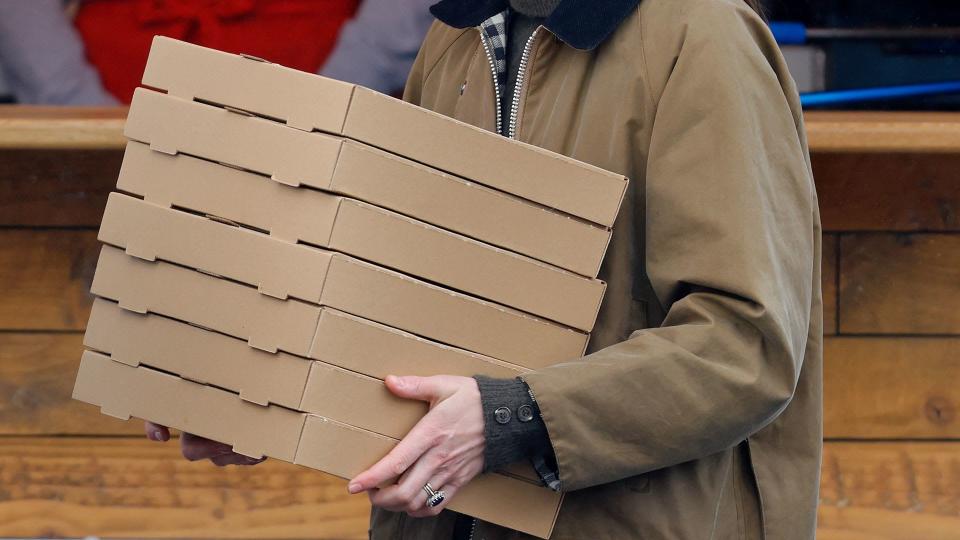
583, 24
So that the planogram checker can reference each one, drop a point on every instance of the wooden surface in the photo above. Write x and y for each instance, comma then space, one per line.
45, 278
828, 268
889, 192
899, 284
891, 388
891, 291
134, 488
864, 132
890, 491
61, 127
48, 188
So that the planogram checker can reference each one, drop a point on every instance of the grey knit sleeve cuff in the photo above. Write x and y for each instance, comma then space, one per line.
513, 427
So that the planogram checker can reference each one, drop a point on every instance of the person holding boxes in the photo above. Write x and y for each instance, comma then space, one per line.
696, 412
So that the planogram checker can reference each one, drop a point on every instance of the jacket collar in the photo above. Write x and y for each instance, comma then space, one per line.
578, 23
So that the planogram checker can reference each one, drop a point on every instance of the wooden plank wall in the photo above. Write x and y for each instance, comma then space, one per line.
891, 467
891, 285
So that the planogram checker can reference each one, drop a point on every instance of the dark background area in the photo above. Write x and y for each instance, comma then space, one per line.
883, 62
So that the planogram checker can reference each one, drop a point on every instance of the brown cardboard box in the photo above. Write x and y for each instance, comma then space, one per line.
374, 349
343, 283
380, 178
124, 391
310, 102
359, 400
196, 354
345, 451
343, 340
370, 233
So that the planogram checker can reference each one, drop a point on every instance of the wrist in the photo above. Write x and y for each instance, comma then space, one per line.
513, 429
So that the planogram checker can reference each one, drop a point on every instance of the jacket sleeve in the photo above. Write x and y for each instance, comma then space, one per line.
729, 252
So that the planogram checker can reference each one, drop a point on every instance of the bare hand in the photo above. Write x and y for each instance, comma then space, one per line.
445, 448
197, 448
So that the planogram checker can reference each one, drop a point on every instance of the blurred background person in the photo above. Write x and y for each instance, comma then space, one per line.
93, 52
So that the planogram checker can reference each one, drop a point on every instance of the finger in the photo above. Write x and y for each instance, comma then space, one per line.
401, 458
156, 432
408, 494
235, 459
449, 491
196, 448
427, 389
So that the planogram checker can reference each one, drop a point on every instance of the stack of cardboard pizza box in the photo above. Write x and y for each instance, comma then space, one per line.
280, 242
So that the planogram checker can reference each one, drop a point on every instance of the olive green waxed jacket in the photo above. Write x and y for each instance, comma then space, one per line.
697, 412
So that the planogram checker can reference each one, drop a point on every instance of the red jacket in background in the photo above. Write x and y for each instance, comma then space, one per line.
296, 33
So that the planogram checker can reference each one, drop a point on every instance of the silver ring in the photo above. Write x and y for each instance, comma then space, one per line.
433, 497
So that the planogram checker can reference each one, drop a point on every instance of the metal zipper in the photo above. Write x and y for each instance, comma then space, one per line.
496, 80
473, 529
518, 87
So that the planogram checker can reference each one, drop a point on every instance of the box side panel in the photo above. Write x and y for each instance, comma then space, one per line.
345, 451
470, 209
359, 400
244, 197
526, 171
196, 354
519, 505
141, 392
173, 125
377, 350
448, 317
157, 287
303, 100
463, 264
153, 232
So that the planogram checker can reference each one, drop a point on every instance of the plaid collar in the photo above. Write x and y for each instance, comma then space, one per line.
582, 24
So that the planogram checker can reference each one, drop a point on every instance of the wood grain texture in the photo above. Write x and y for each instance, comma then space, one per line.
127, 488
899, 284
62, 127
890, 491
891, 388
133, 488
843, 131
888, 192
48, 188
828, 269
45, 278
37, 371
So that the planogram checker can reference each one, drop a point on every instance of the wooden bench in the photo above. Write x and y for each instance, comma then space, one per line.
889, 187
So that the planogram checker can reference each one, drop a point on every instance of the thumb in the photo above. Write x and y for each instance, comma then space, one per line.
419, 388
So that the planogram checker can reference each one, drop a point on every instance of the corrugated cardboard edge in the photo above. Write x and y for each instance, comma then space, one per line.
356, 151
610, 214
590, 288
105, 311
343, 129
89, 389
505, 369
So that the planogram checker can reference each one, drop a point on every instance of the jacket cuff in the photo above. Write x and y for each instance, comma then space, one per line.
513, 428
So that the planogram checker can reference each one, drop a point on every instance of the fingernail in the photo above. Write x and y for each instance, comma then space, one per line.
155, 436
397, 381
354, 488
